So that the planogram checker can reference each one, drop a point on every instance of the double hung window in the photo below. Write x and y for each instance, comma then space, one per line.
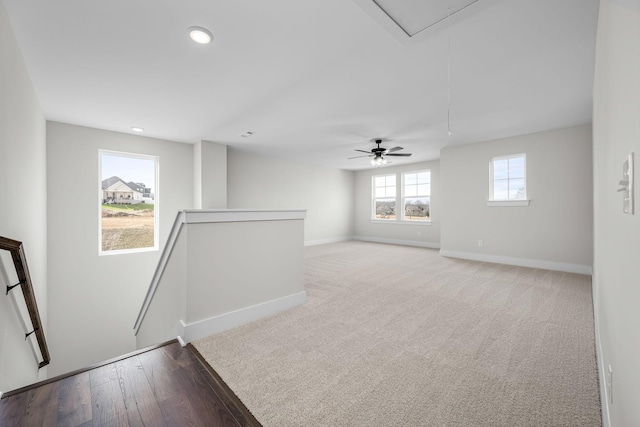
416, 194
384, 197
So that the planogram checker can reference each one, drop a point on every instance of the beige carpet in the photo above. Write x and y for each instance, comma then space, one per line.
399, 336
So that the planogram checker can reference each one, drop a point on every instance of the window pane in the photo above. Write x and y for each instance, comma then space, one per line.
516, 189
380, 180
127, 198
501, 169
411, 191
423, 189
516, 167
509, 175
391, 180
410, 179
416, 209
385, 209
500, 190
391, 192
380, 192
424, 178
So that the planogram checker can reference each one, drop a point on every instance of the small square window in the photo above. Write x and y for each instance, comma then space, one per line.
508, 178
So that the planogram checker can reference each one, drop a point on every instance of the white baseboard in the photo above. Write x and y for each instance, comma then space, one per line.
223, 322
604, 398
398, 242
521, 262
329, 240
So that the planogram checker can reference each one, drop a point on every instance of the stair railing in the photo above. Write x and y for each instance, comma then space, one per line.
24, 281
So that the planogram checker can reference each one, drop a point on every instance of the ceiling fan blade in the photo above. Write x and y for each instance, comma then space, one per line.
357, 157
391, 150
362, 151
399, 154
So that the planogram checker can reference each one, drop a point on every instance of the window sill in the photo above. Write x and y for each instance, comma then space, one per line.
393, 221
508, 202
127, 251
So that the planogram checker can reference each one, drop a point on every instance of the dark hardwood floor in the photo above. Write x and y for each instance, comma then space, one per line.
167, 386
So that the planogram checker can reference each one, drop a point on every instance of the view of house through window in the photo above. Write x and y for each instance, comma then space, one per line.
508, 178
415, 196
384, 197
128, 202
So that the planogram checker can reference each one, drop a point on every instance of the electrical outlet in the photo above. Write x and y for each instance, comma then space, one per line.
610, 384
480, 243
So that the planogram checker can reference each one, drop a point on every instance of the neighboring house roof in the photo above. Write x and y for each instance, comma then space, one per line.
137, 186
106, 183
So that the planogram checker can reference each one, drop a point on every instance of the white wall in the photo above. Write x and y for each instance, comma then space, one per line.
616, 125
206, 286
235, 265
23, 202
554, 231
365, 229
95, 299
210, 175
264, 183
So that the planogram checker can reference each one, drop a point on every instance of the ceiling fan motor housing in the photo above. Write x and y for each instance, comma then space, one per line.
378, 151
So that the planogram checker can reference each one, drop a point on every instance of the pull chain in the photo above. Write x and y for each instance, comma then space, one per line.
449, 70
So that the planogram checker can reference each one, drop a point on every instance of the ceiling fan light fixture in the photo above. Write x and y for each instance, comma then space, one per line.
200, 35
378, 161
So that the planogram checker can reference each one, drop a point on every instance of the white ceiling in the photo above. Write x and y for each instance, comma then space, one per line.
314, 79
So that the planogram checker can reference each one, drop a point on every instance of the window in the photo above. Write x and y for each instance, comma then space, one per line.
508, 178
409, 202
416, 191
128, 202
384, 197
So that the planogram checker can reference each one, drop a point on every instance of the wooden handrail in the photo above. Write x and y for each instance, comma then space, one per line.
20, 262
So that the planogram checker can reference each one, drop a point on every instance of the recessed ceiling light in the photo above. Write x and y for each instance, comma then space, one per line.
200, 35
137, 129
246, 134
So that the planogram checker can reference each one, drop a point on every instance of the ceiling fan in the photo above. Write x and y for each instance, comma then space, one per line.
379, 153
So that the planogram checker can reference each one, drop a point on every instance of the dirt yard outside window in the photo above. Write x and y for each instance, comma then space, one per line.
127, 228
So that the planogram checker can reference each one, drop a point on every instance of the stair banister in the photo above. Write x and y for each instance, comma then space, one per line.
19, 258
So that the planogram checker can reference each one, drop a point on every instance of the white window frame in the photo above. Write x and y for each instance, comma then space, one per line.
399, 200
404, 196
374, 198
156, 209
507, 202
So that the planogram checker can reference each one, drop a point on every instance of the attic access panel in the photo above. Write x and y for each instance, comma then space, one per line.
414, 16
